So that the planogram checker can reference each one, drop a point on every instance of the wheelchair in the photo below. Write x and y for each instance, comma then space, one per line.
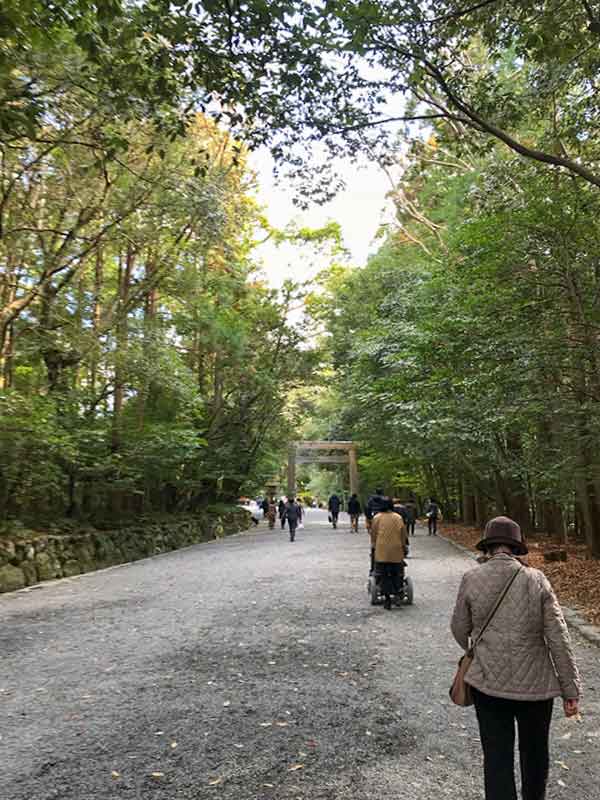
404, 594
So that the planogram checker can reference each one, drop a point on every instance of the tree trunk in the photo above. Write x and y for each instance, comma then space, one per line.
96, 314
122, 333
149, 321
468, 503
7, 296
481, 511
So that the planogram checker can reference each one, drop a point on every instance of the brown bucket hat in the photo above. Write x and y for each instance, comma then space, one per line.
503, 530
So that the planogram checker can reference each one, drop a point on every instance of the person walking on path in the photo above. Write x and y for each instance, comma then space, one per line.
389, 543
272, 513
281, 509
434, 514
265, 507
333, 506
292, 516
521, 663
354, 510
401, 509
375, 504
411, 512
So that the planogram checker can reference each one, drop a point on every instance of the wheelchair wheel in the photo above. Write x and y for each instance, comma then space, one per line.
410, 592
373, 592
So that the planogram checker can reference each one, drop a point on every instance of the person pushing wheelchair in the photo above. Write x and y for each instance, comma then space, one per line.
389, 544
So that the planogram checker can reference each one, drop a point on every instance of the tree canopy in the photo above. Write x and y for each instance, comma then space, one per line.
141, 355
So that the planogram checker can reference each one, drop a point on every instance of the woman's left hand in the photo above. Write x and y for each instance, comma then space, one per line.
571, 707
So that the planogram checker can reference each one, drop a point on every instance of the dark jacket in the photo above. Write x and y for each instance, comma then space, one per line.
354, 506
281, 508
433, 511
334, 504
401, 511
292, 512
374, 505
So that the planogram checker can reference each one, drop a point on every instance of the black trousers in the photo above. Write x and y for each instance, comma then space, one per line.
432, 525
389, 576
496, 717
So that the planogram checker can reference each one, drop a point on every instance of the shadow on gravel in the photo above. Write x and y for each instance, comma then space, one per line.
280, 711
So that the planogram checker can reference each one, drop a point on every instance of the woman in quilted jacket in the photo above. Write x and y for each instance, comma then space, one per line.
521, 663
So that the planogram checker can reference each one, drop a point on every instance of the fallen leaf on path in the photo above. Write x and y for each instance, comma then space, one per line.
269, 785
282, 724
173, 745
115, 774
266, 724
295, 767
215, 782
226, 703
562, 765
562, 783
158, 774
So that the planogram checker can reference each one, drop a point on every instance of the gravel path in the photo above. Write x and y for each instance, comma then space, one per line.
252, 668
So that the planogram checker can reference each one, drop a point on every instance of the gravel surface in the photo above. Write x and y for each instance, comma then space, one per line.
252, 668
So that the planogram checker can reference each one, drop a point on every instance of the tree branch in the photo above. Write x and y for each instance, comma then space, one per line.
476, 121
503, 136
408, 118
462, 12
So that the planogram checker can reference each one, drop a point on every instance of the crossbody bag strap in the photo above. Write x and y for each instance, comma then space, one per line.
496, 606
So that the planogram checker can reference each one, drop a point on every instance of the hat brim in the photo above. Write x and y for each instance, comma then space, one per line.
520, 548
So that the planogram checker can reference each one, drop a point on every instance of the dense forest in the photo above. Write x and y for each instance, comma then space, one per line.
143, 360
143, 363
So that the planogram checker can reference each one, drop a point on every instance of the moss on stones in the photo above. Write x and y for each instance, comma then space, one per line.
11, 578
42, 557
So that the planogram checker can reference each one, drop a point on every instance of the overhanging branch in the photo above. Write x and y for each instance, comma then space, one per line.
464, 12
475, 120
409, 118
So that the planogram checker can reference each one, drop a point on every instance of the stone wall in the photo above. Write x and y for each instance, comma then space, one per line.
28, 556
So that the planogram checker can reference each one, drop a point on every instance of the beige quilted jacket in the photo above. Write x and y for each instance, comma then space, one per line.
525, 653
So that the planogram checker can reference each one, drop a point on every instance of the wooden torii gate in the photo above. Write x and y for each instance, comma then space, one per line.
302, 453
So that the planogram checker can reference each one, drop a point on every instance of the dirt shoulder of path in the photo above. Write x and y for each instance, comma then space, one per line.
575, 581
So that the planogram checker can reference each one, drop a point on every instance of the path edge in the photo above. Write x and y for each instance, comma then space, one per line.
90, 573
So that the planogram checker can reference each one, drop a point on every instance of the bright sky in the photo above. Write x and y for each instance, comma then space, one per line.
360, 209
